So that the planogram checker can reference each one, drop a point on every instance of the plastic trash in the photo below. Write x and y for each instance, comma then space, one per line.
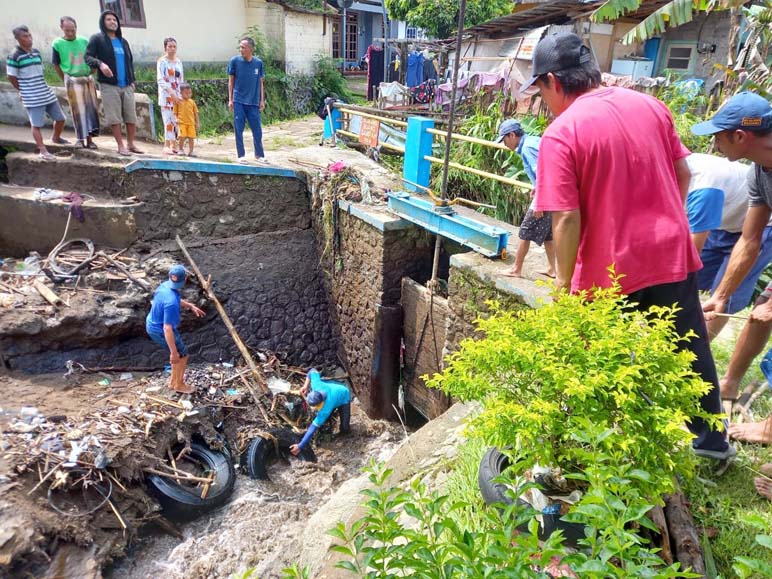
30, 265
232, 392
227, 365
46, 194
105, 382
278, 386
126, 376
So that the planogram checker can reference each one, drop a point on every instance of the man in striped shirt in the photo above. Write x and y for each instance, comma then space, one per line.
25, 73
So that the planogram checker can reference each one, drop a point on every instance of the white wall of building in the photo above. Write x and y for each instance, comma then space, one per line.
206, 31
305, 39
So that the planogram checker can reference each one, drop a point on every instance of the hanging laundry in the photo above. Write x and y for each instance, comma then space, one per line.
415, 69
375, 58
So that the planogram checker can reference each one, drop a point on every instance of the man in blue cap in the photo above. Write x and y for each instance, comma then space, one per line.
162, 321
536, 225
743, 130
324, 397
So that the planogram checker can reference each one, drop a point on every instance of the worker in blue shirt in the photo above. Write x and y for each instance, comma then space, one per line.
536, 225
324, 397
162, 321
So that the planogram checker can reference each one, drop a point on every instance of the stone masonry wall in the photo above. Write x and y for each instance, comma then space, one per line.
363, 275
253, 235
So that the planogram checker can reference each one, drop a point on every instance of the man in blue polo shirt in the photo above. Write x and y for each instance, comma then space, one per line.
246, 97
324, 397
162, 321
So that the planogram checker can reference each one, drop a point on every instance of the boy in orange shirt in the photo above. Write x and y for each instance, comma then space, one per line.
186, 112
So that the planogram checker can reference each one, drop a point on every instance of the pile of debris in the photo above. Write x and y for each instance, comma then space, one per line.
89, 479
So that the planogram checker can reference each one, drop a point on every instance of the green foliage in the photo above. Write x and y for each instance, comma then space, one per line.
544, 376
688, 108
673, 14
440, 17
482, 122
746, 567
414, 533
328, 80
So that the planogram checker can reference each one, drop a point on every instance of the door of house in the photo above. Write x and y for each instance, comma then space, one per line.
352, 37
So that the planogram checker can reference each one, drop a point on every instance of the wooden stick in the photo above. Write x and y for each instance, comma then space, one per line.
165, 401
120, 267
735, 316
179, 476
45, 478
11, 289
117, 514
228, 324
47, 293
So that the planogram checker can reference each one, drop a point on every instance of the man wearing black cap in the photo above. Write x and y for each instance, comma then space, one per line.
612, 170
162, 321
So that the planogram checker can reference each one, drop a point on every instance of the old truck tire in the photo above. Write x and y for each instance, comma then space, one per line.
181, 501
492, 465
262, 450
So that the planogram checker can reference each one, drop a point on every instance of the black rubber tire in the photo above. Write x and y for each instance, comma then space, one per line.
261, 450
494, 463
180, 503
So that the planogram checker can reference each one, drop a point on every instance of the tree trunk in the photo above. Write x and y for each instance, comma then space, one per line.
688, 550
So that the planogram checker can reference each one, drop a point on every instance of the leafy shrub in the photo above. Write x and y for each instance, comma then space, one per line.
545, 375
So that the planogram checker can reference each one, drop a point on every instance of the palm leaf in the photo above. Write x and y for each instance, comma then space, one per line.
675, 13
613, 9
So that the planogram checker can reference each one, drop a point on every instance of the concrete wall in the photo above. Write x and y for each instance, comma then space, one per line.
12, 112
305, 39
269, 18
710, 29
205, 31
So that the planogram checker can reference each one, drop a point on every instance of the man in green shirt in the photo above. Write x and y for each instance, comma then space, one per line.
69, 59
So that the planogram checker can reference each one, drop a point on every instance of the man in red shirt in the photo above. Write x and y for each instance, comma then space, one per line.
612, 171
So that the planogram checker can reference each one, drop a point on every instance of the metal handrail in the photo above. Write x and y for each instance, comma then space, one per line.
502, 179
436, 132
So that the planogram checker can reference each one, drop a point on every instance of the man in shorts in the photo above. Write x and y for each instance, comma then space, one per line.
25, 72
162, 321
110, 54
536, 225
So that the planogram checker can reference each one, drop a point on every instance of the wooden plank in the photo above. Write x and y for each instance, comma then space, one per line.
423, 354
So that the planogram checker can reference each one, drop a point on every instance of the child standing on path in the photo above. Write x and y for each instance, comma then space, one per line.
186, 112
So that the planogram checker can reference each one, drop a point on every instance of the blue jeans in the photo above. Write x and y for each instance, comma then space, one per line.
160, 339
715, 257
243, 114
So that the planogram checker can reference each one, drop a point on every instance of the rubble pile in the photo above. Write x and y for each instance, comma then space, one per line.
81, 479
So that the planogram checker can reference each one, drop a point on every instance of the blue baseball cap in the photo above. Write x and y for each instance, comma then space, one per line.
315, 397
509, 126
745, 110
180, 273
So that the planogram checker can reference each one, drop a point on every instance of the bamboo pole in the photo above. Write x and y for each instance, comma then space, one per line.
47, 293
376, 117
468, 139
258, 375
507, 180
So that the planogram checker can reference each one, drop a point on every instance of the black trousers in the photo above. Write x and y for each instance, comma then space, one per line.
690, 317
345, 417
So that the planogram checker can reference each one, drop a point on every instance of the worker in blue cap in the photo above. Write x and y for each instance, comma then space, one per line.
324, 396
162, 321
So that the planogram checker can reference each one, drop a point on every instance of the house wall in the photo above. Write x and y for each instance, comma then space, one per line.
205, 31
269, 18
306, 38
709, 29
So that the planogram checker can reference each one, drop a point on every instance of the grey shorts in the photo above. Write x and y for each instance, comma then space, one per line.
118, 104
37, 115
536, 229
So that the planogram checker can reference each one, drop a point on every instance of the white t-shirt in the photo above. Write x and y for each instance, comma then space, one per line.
710, 174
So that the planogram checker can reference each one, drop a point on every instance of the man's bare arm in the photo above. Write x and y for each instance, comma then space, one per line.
566, 228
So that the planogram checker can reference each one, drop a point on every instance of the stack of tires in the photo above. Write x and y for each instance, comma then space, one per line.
184, 501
